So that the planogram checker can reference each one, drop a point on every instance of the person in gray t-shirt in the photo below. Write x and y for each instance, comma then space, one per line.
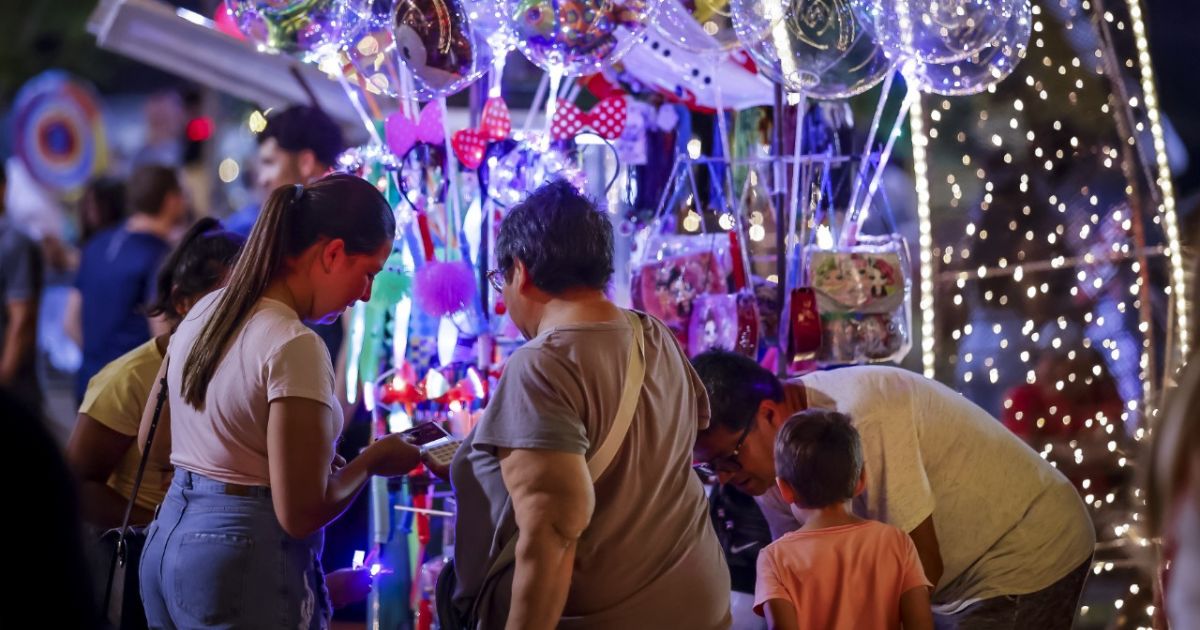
637, 549
20, 291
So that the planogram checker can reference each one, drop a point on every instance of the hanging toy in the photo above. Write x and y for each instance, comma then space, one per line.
403, 133
469, 144
607, 119
443, 288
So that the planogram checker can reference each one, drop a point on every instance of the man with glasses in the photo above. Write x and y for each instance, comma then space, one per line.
1002, 535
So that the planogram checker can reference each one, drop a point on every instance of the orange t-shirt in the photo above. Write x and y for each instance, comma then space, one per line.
849, 576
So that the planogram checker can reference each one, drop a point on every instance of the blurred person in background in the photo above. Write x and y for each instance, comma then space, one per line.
54, 589
102, 207
298, 146
1072, 404
106, 313
102, 450
165, 122
21, 279
1173, 488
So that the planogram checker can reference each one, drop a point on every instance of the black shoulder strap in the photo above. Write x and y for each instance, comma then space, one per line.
119, 554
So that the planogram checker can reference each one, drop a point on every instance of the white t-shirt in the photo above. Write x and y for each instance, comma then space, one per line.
272, 356
1007, 522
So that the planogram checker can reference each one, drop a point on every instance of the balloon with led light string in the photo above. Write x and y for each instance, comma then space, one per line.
982, 69
936, 31
438, 43
308, 28
823, 49
577, 37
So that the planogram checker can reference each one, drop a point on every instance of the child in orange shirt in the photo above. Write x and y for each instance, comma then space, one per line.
838, 570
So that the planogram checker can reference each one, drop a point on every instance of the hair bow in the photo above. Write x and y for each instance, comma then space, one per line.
607, 119
469, 144
403, 132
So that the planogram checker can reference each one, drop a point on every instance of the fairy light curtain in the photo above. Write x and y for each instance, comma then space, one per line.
1052, 263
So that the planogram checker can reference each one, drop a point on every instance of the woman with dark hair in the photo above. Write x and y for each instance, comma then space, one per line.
102, 450
253, 420
578, 506
102, 207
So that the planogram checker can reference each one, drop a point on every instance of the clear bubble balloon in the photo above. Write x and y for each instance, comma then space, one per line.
939, 31
372, 51
822, 48
984, 68
309, 28
439, 45
708, 29
578, 37
487, 18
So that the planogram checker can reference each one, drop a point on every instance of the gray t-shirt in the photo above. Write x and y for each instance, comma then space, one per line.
1007, 522
20, 279
650, 558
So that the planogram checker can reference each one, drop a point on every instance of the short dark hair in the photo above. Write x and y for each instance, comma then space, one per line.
560, 235
106, 195
203, 258
818, 452
149, 186
736, 386
302, 127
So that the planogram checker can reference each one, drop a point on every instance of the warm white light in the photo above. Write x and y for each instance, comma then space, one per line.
920, 142
1150, 92
228, 170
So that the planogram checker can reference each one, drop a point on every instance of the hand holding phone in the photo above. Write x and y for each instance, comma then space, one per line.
437, 446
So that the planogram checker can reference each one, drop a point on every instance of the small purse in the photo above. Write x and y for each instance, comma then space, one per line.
122, 603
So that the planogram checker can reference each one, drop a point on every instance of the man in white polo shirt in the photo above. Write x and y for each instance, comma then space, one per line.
1001, 533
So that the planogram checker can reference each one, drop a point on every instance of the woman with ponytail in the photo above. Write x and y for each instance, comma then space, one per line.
102, 450
254, 419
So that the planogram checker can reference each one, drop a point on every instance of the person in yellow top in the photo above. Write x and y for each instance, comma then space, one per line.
103, 450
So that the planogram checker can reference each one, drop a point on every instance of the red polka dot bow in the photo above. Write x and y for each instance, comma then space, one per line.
607, 119
469, 144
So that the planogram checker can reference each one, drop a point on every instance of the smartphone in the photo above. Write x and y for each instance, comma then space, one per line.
424, 433
436, 444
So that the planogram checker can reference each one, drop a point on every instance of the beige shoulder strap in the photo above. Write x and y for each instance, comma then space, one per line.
635, 374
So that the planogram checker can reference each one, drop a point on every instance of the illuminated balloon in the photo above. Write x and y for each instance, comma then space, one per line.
708, 30
577, 37
984, 68
437, 42
309, 28
822, 48
939, 31
487, 18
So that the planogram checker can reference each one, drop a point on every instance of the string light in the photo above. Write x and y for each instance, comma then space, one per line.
1090, 221
920, 143
1150, 94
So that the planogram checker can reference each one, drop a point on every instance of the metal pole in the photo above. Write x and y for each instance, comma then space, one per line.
779, 189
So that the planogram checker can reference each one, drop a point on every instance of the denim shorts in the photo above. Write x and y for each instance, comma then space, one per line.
216, 557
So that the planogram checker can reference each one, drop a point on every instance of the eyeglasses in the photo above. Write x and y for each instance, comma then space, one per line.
496, 278
727, 463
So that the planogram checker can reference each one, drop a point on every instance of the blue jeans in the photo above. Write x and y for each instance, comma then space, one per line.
216, 557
